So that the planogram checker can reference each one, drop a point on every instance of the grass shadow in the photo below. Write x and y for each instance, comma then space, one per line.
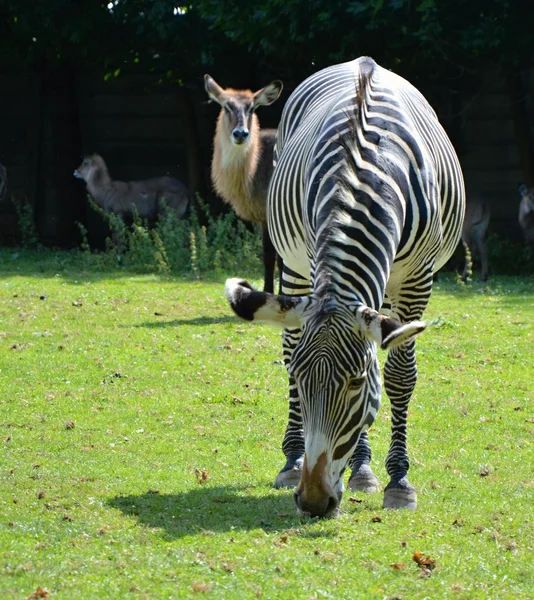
213, 509
201, 321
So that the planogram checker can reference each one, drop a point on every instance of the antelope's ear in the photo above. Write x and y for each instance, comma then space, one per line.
385, 331
268, 94
213, 89
251, 305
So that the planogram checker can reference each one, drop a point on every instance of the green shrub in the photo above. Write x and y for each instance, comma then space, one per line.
179, 246
506, 257
26, 224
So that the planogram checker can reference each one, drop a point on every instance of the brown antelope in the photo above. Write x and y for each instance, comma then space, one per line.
242, 162
526, 212
475, 227
120, 197
3, 183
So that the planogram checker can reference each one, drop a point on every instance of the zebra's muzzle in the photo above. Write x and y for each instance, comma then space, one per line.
315, 496
326, 506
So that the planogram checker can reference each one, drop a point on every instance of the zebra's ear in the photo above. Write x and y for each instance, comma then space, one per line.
251, 305
385, 331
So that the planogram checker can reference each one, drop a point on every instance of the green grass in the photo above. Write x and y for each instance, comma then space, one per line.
118, 390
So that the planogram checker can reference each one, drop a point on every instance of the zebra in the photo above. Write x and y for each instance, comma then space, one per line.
366, 202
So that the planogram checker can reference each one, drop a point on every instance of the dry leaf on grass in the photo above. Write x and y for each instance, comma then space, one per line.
397, 566
281, 541
39, 593
423, 562
202, 475
199, 587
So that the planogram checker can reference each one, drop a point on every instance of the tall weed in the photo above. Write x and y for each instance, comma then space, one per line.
506, 257
26, 224
181, 246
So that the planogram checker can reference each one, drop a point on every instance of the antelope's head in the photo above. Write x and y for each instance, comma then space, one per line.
90, 166
527, 199
237, 119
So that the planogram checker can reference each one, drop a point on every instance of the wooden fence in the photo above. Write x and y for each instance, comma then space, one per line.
143, 128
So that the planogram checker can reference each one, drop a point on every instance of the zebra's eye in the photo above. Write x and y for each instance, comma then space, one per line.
355, 383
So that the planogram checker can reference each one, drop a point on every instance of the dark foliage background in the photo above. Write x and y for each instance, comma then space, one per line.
442, 46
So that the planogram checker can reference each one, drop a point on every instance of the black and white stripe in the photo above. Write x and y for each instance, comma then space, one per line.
365, 203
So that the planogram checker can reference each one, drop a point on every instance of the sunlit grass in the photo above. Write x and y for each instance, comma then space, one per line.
140, 433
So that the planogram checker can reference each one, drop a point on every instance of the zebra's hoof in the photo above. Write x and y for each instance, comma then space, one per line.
364, 480
400, 495
288, 479
289, 476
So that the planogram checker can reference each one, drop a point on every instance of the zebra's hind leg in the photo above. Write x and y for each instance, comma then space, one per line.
400, 376
362, 478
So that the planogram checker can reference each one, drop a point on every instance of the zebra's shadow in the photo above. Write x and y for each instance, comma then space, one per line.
211, 509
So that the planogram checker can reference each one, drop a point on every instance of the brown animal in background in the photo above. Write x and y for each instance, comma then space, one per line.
475, 227
3, 183
526, 212
243, 158
119, 197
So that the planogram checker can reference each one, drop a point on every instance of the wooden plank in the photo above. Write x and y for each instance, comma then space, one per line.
492, 157
125, 82
128, 105
131, 129
490, 132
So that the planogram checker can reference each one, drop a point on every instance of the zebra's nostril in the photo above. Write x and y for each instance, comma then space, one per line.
333, 503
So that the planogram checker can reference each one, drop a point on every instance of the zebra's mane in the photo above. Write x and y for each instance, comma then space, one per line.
353, 196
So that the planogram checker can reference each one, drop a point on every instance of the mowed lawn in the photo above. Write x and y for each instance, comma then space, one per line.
140, 434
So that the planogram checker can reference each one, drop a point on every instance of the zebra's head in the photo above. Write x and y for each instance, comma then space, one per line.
335, 369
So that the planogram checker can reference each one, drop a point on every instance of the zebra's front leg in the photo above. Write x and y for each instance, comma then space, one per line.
293, 445
400, 376
362, 478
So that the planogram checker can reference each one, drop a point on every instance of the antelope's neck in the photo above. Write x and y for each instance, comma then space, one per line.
98, 183
234, 166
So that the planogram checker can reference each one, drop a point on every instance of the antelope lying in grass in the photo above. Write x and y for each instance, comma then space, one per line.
119, 197
526, 212
477, 217
243, 158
